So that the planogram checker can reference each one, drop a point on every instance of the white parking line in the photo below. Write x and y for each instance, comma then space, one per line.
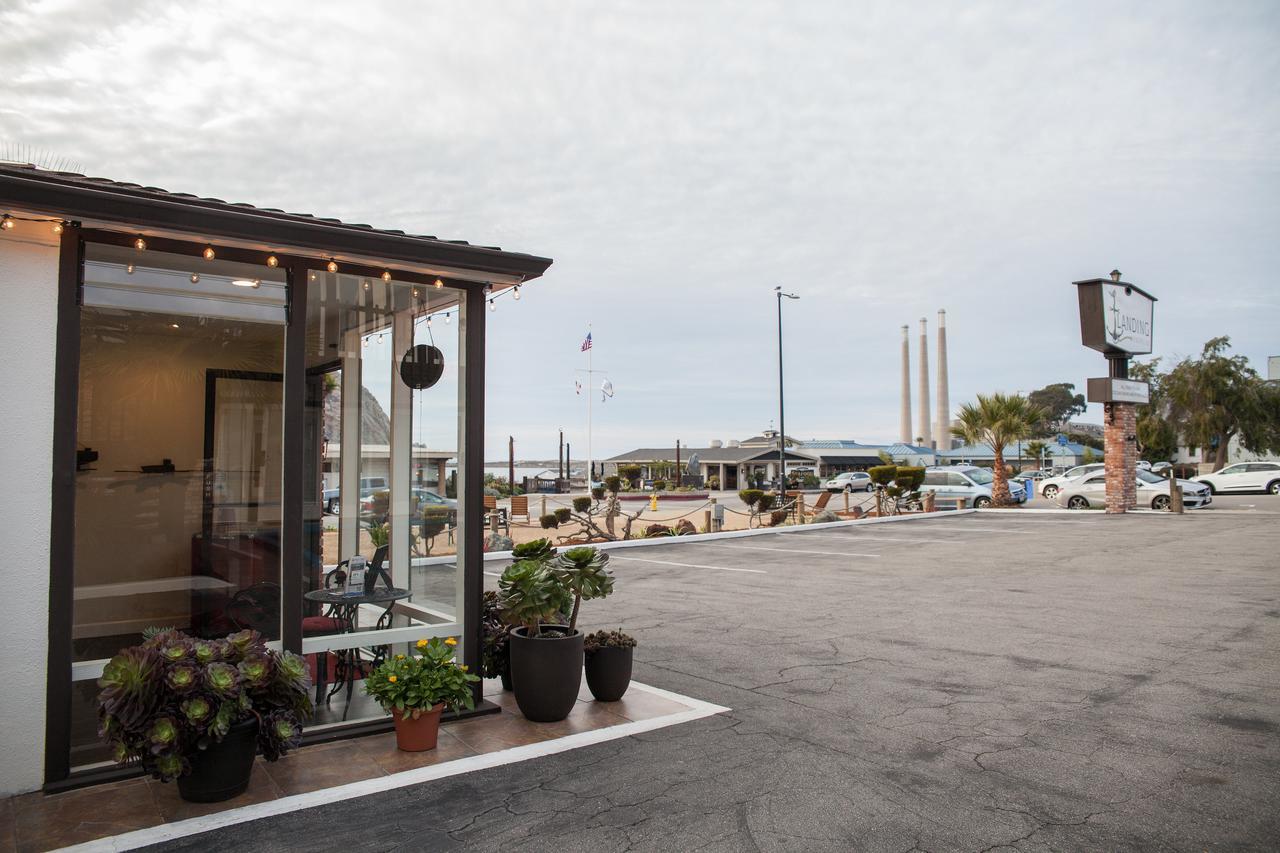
880, 537
790, 550
615, 556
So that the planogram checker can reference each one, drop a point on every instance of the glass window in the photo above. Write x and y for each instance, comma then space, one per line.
382, 426
979, 476
179, 437
954, 479
935, 478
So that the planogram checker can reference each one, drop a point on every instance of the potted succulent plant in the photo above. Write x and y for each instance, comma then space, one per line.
609, 655
416, 688
546, 658
198, 710
495, 661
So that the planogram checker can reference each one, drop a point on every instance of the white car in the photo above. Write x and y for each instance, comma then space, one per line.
1050, 487
1244, 477
1153, 491
849, 481
949, 482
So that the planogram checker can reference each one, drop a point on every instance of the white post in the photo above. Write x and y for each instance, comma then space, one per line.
591, 392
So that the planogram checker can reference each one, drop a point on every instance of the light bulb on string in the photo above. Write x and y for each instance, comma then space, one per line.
273, 261
516, 294
332, 266
439, 283
492, 306
57, 227
446, 318
129, 269
7, 223
386, 275
195, 278
366, 284
208, 253
140, 244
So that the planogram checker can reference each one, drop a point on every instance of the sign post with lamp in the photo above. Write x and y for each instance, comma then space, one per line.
1116, 320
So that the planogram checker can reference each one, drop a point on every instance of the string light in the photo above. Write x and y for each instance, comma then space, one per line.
379, 337
439, 283
7, 223
492, 307
140, 244
428, 320
386, 275
365, 282
446, 318
332, 266
313, 276
195, 278
273, 261
208, 253
129, 269
57, 227
516, 295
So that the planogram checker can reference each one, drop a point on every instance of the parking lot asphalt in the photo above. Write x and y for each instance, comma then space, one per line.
965, 682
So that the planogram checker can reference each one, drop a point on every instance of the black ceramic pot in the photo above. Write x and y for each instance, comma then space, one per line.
609, 672
222, 771
546, 672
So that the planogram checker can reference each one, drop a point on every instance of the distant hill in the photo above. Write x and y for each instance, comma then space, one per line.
375, 426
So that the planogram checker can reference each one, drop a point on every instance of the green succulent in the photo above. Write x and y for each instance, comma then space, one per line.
163, 734
538, 551
584, 572
530, 594
256, 670
204, 652
130, 685
170, 766
198, 711
182, 678
223, 679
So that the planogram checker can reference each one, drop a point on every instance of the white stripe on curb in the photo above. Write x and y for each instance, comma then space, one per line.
691, 565
196, 825
738, 547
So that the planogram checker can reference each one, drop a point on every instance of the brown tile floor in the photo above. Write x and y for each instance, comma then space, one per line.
36, 822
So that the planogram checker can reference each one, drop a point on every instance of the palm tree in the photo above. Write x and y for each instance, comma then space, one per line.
997, 420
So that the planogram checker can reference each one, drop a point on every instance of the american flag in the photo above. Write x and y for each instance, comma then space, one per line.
586, 344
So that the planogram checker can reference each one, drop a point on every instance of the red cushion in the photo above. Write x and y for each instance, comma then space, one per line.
320, 625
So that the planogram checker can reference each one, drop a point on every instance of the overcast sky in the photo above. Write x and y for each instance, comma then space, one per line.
882, 160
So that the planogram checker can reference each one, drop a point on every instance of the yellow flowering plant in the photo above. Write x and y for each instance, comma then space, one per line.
414, 684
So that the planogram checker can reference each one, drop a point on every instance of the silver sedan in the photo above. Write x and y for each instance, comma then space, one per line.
1153, 491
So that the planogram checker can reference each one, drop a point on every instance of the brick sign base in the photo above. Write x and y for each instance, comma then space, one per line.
1121, 457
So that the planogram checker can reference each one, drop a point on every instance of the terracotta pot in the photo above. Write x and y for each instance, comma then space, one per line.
417, 735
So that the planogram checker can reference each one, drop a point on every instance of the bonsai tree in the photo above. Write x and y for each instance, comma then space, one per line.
163, 701
584, 573
549, 521
530, 595
998, 420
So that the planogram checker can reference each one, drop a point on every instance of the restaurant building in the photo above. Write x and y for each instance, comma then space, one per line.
182, 374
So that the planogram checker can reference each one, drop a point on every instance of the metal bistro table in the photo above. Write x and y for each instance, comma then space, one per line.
343, 608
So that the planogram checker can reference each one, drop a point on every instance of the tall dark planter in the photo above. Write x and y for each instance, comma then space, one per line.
546, 672
222, 771
609, 672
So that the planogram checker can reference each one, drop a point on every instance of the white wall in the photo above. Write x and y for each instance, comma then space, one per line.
29, 293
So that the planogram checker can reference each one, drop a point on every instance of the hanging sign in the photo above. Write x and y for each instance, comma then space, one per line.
421, 367
1110, 390
1115, 317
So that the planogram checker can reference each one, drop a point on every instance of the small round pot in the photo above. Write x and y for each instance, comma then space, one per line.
609, 672
417, 735
222, 771
546, 672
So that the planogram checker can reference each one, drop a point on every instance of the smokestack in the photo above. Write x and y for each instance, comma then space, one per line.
922, 418
944, 391
904, 420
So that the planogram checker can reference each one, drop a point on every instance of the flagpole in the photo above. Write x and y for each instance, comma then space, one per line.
591, 392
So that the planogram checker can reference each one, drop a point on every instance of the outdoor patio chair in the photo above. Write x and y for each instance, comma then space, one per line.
820, 504
493, 512
520, 506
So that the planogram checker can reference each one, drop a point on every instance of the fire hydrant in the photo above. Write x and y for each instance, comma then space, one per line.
653, 501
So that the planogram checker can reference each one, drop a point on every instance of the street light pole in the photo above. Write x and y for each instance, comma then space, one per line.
782, 410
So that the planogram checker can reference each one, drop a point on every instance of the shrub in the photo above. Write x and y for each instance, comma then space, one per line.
713, 483
750, 497
549, 521
823, 517
613, 484
659, 485
683, 527
909, 479
657, 530
810, 481
598, 493
766, 501
581, 504
630, 473
882, 475
563, 515
778, 516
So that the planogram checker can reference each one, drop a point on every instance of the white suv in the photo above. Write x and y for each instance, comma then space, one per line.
1244, 477
1050, 487
849, 481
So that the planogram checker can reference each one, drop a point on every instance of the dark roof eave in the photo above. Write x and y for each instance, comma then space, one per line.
76, 200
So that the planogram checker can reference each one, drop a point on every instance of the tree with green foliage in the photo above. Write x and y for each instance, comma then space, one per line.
1218, 397
1060, 404
1035, 450
1157, 438
997, 420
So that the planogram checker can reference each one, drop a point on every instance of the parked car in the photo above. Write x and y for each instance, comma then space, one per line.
332, 498
418, 499
948, 482
849, 481
1034, 475
1244, 477
1153, 491
1051, 486
1161, 468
